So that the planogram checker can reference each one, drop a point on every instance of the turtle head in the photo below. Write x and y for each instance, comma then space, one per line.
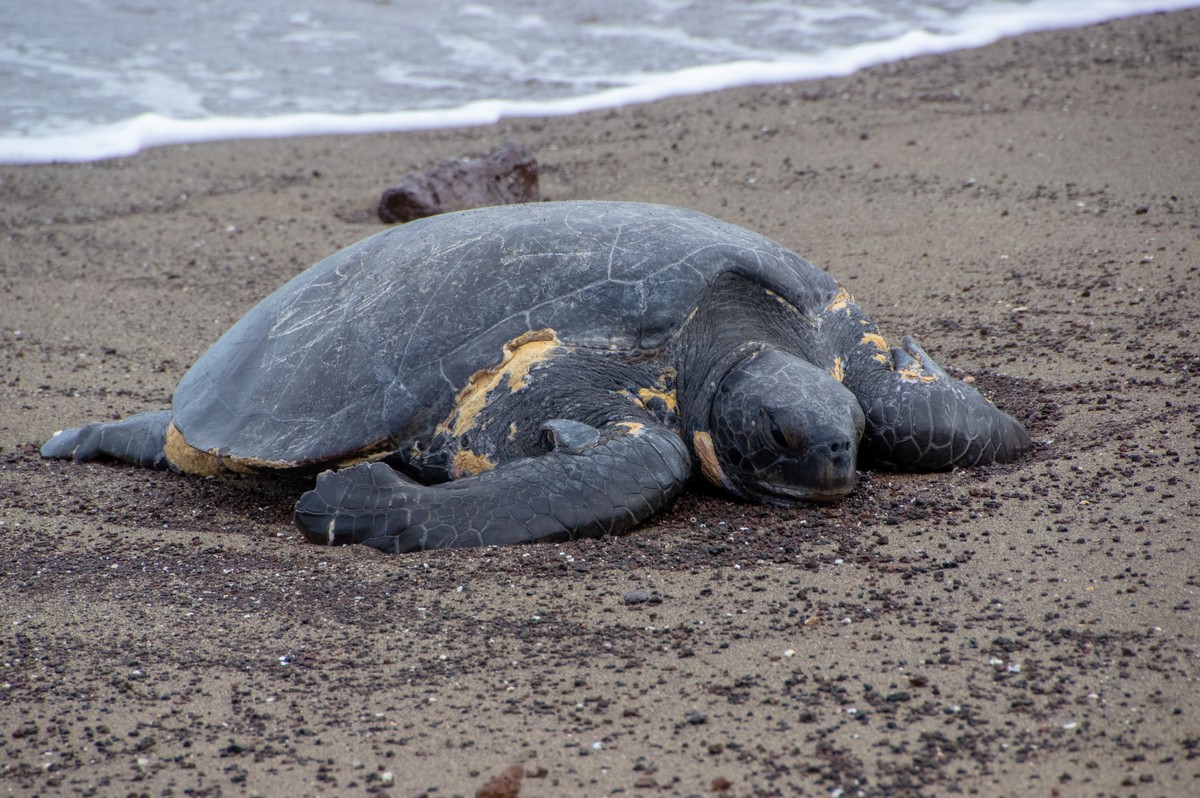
782, 431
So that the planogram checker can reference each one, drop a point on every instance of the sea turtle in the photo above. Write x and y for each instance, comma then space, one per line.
554, 370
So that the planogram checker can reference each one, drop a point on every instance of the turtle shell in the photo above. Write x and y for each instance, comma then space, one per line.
370, 347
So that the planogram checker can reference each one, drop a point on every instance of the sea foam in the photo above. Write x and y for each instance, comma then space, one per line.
178, 116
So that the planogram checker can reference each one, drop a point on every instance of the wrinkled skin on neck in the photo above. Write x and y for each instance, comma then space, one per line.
784, 431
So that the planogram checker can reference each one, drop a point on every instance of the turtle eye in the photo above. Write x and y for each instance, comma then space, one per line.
787, 437
779, 436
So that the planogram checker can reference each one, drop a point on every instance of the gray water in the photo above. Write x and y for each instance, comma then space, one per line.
70, 67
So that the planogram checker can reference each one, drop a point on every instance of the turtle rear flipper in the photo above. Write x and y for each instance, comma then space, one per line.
138, 439
920, 418
591, 482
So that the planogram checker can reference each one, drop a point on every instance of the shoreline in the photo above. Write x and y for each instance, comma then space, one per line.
1027, 210
150, 130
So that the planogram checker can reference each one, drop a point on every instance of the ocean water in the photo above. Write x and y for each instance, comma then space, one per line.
90, 79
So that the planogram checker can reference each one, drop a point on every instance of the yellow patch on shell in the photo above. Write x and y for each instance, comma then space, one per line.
518, 358
664, 390
788, 304
649, 394
709, 465
881, 359
634, 428
874, 339
838, 372
468, 464
190, 460
916, 374
362, 457
841, 301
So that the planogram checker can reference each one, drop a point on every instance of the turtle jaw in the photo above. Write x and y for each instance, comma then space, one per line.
825, 472
820, 478
832, 488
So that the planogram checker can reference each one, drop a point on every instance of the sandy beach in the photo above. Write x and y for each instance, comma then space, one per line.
1028, 211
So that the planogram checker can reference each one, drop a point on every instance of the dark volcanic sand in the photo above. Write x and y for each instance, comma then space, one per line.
1028, 211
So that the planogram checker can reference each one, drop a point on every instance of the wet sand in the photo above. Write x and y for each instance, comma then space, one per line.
1028, 211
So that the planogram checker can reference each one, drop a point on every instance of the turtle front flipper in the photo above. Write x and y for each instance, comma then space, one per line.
921, 418
138, 439
590, 482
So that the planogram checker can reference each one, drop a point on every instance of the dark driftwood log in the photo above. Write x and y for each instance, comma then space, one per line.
508, 175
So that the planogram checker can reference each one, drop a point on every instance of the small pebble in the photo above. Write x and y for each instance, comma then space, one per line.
636, 597
641, 596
